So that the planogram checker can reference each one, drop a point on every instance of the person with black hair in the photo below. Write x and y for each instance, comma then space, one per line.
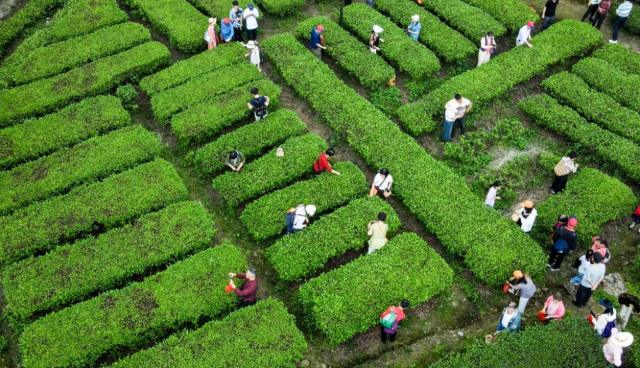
390, 319
378, 232
258, 104
462, 106
605, 321
249, 289
583, 263
381, 185
592, 278
492, 195
522, 283
235, 160
562, 170
322, 163
563, 241
235, 16
601, 245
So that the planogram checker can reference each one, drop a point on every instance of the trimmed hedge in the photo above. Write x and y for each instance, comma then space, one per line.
608, 79
410, 56
281, 8
595, 198
447, 43
492, 246
72, 272
86, 162
26, 16
271, 172
265, 216
350, 299
369, 69
220, 8
595, 106
181, 22
202, 88
180, 72
560, 42
512, 13
548, 113
250, 139
633, 23
201, 121
183, 293
107, 204
92, 79
301, 254
570, 343
467, 19
68, 126
619, 57
267, 328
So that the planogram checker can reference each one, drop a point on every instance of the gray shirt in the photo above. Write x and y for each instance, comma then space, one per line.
526, 290
593, 273
232, 14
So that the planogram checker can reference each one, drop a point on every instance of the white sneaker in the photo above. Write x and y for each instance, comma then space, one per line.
613, 41
633, 224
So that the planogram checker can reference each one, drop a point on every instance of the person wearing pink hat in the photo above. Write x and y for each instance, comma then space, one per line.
613, 348
524, 35
316, 41
563, 241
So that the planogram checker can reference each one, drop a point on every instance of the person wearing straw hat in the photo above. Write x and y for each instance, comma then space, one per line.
526, 287
226, 30
253, 54
414, 27
487, 47
526, 216
613, 348
248, 290
316, 41
210, 34
374, 40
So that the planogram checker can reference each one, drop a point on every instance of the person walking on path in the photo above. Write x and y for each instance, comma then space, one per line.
593, 276
549, 13
414, 27
251, 16
524, 35
636, 218
226, 30
235, 16
258, 104
553, 308
390, 319
601, 245
248, 290
591, 10
492, 194
381, 185
487, 47
583, 263
298, 218
563, 241
235, 160
613, 348
322, 163
509, 320
463, 106
604, 322
316, 41
603, 9
623, 12
210, 36
524, 285
526, 216
561, 170
253, 54
378, 232
375, 40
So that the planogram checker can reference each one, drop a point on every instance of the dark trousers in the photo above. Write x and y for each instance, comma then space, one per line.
252, 34
559, 183
620, 21
459, 122
583, 295
636, 218
381, 195
246, 303
591, 11
547, 22
384, 335
597, 21
555, 258
237, 34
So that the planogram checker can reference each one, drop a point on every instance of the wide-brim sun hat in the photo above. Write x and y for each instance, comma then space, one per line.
622, 339
310, 209
251, 44
527, 204
415, 18
377, 29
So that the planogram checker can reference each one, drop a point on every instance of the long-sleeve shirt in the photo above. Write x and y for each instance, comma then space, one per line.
603, 7
602, 321
248, 290
322, 163
490, 200
557, 310
569, 164
526, 290
524, 34
613, 353
569, 236
527, 223
624, 9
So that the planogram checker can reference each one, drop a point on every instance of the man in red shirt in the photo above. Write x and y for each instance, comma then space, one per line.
248, 290
322, 163
393, 330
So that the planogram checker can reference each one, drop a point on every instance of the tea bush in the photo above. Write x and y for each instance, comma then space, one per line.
220, 8
512, 13
73, 272
86, 162
350, 299
369, 69
619, 57
387, 100
133, 315
107, 204
281, 8
250, 139
298, 255
271, 172
128, 96
633, 23
32, 12
265, 216
468, 20
66, 127
267, 327
410, 56
608, 79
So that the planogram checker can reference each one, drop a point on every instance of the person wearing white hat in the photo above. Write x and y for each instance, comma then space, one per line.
301, 216
613, 348
414, 27
374, 40
253, 54
210, 34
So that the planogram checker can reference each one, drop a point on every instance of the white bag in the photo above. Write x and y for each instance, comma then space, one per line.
206, 37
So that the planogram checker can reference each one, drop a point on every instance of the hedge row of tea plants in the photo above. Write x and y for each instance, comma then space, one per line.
512, 13
608, 79
446, 42
250, 139
265, 216
368, 68
32, 12
593, 197
180, 72
469, 20
633, 23
492, 246
181, 22
183, 293
598, 107
298, 255
94, 78
350, 299
221, 8
267, 328
271, 172
86, 162
548, 113
202, 88
73, 272
107, 204
619, 57
410, 56
281, 8
201, 121
560, 42
66, 127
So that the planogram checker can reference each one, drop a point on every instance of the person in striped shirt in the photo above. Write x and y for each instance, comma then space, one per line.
623, 12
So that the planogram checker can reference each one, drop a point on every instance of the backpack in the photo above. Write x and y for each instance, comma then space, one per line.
607, 329
261, 109
289, 217
561, 246
388, 320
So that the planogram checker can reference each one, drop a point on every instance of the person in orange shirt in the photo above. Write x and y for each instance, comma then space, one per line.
392, 330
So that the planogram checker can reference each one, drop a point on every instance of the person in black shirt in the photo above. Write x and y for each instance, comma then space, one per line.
549, 13
258, 104
568, 233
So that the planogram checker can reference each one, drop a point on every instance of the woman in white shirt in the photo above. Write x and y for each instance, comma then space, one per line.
492, 195
487, 47
381, 185
601, 320
526, 216
585, 262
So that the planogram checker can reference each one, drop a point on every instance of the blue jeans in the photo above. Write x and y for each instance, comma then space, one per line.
578, 279
446, 131
548, 21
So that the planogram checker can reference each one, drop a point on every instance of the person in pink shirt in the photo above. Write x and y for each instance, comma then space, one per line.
600, 245
553, 308
613, 348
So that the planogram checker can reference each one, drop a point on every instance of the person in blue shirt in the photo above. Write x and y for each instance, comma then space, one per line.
316, 42
415, 27
226, 30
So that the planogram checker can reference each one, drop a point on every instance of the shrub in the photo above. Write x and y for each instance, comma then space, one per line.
512, 13
298, 255
128, 95
281, 8
202, 88
369, 69
410, 56
608, 79
265, 216
494, 79
619, 57
107, 204
468, 20
3, 344
492, 246
272, 334
633, 23
387, 100
597, 107
350, 299
251, 139
26, 16
219, 8
202, 121
181, 22
97, 264
548, 113
68, 126
133, 315
447, 43
91, 79
271, 172
86, 162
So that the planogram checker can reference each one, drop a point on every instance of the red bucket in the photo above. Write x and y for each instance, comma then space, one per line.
542, 316
228, 288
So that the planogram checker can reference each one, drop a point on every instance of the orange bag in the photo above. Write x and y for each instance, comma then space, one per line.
373, 191
228, 288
